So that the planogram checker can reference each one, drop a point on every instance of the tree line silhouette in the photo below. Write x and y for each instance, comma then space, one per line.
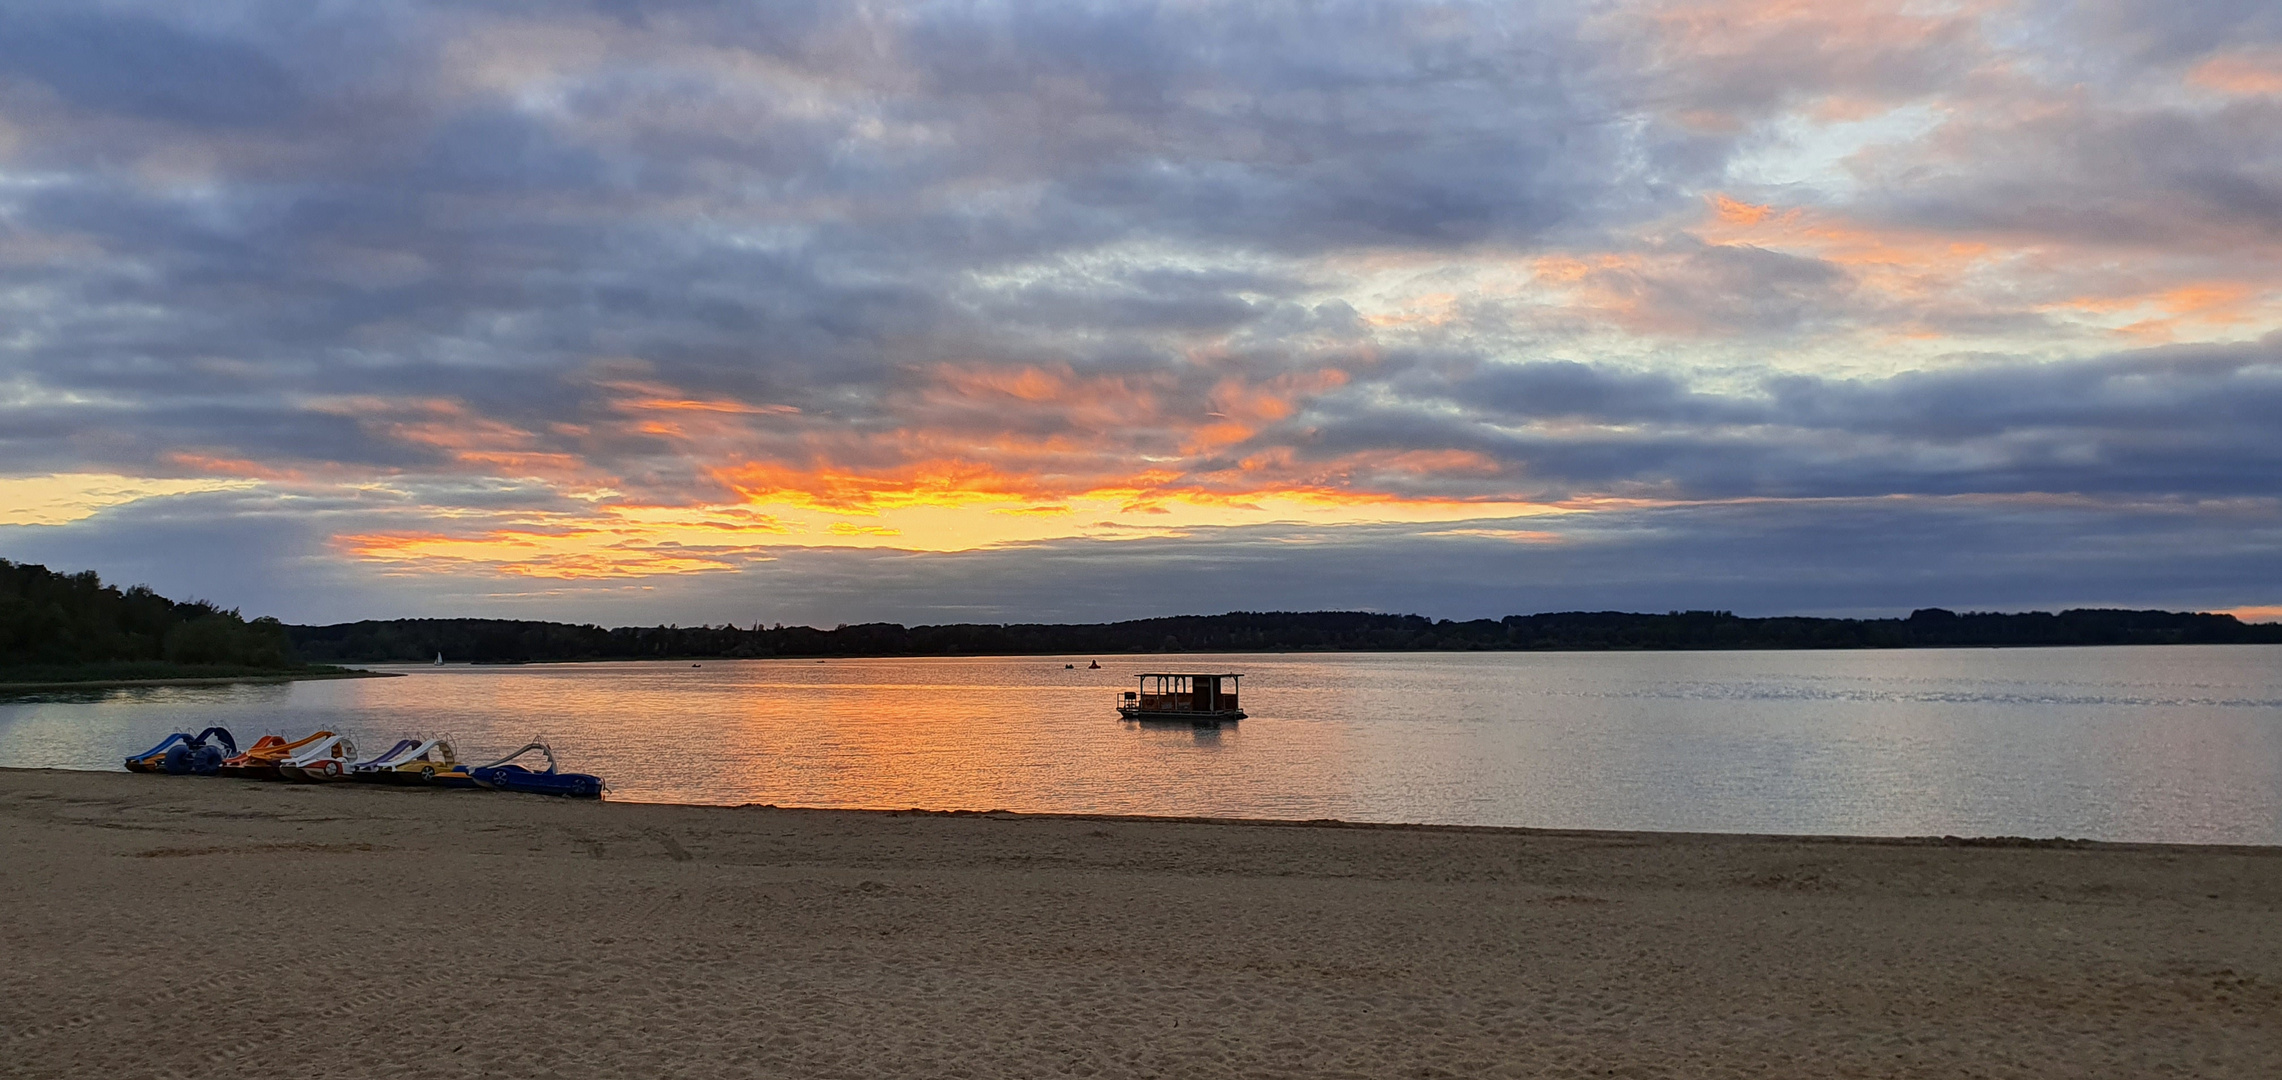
54, 619
64, 620
507, 640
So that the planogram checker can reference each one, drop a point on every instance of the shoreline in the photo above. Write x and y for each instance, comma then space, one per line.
1158, 656
13, 688
2053, 843
524, 936
2025, 843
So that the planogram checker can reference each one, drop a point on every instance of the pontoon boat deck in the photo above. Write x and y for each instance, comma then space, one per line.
1203, 699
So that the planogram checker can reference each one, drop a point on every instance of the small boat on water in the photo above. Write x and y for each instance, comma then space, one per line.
504, 775
182, 753
1196, 699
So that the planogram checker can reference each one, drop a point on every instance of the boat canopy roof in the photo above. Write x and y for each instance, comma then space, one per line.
1188, 675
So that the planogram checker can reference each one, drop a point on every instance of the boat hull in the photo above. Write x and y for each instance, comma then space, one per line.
517, 778
1158, 716
324, 771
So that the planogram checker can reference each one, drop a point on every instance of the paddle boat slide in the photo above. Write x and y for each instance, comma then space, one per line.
430, 762
260, 761
371, 770
182, 753
325, 759
329, 755
504, 775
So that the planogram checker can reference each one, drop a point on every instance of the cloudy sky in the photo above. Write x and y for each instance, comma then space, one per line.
835, 312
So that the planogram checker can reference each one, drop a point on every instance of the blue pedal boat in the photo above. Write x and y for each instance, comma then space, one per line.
183, 753
504, 775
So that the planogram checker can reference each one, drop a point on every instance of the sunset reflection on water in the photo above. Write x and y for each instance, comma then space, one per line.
2179, 743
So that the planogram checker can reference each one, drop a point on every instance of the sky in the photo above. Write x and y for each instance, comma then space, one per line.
637, 312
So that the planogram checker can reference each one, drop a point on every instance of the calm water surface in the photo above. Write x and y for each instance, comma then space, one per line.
2169, 744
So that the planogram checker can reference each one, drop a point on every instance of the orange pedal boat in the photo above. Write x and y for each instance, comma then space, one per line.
261, 760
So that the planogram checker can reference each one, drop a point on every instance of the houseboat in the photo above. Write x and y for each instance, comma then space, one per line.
1202, 699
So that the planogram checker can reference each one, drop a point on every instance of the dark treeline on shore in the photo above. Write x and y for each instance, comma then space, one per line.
51, 622
505, 640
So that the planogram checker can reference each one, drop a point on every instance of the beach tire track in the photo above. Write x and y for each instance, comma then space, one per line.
673, 847
594, 847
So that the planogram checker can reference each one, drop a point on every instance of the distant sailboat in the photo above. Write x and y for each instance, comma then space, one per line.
1095, 666
439, 659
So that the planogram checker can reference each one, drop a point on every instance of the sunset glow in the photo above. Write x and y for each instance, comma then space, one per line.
962, 308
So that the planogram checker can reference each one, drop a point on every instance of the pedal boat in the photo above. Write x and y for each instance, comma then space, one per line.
260, 760
430, 762
182, 753
1203, 700
326, 759
504, 775
372, 769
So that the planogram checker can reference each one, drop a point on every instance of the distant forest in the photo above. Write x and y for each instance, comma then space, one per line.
502, 640
52, 620
63, 620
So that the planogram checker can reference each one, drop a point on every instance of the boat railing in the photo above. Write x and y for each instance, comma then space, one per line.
1184, 703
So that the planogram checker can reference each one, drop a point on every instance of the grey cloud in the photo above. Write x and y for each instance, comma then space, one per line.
2190, 422
1747, 288
2195, 182
1565, 388
382, 233
145, 67
2164, 31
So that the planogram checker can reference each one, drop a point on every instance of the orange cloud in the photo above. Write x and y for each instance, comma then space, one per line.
1894, 255
1853, 51
1735, 212
464, 436
572, 552
2241, 72
1905, 278
685, 405
980, 455
2206, 304
935, 483
207, 465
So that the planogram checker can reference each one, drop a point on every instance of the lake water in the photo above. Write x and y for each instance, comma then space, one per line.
2163, 744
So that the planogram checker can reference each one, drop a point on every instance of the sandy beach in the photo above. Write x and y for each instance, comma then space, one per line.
169, 926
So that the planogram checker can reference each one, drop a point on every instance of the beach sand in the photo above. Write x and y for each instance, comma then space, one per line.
174, 926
